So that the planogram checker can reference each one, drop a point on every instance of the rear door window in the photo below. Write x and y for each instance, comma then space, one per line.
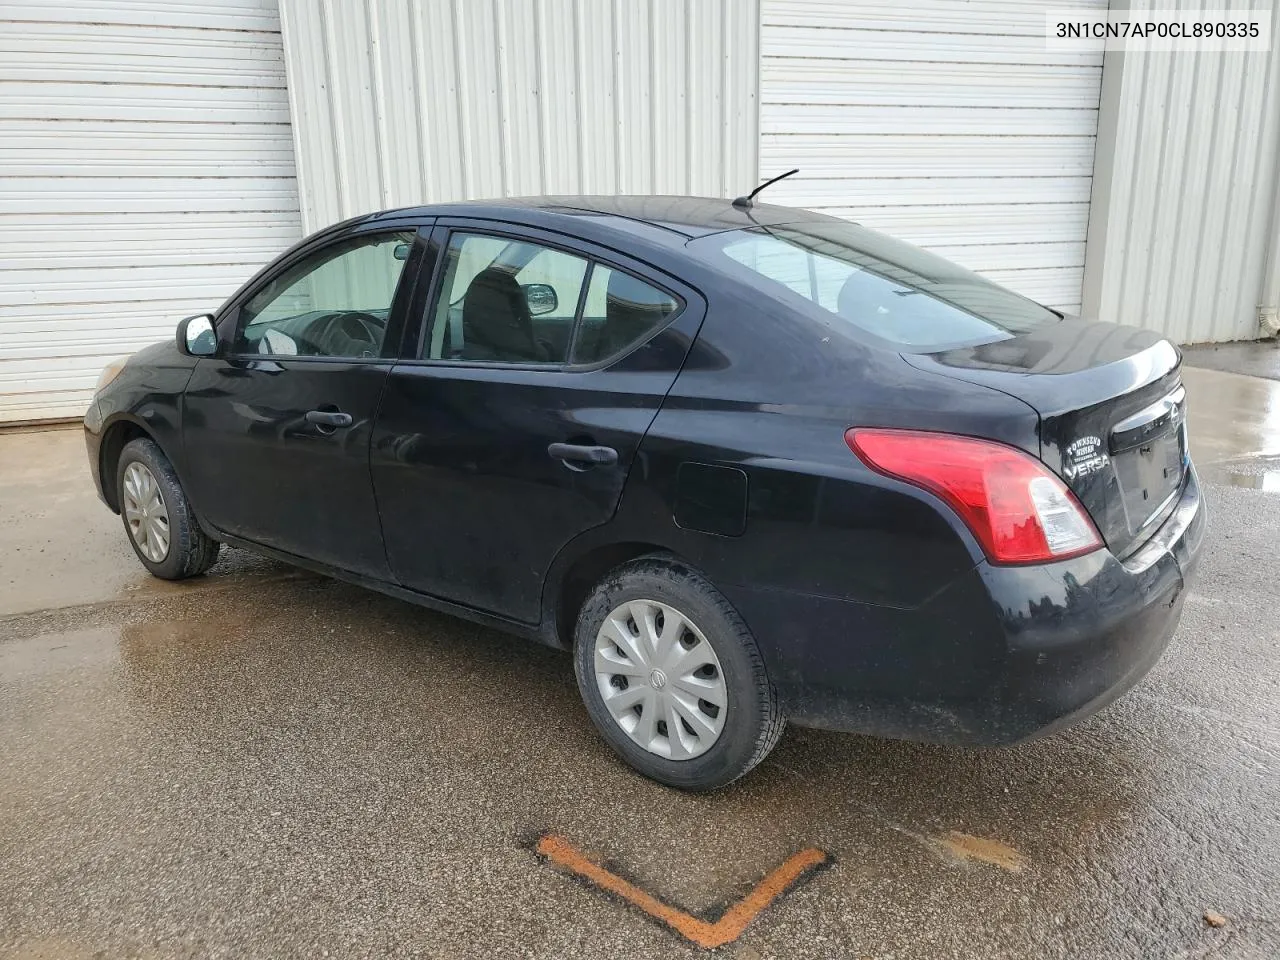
510, 300
506, 301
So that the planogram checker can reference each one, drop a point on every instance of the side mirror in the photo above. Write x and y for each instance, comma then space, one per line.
541, 298
400, 251
196, 336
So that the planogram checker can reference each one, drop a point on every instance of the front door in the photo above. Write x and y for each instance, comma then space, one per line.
541, 368
276, 428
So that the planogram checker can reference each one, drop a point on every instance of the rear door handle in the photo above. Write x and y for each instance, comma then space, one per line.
582, 454
328, 418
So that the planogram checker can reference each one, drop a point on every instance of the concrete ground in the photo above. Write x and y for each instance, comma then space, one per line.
264, 763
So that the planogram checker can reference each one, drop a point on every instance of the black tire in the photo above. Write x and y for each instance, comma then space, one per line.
191, 552
753, 721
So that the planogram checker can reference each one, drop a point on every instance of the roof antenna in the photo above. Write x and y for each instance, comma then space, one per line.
744, 203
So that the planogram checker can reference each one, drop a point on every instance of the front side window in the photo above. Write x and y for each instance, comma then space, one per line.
867, 282
506, 301
334, 303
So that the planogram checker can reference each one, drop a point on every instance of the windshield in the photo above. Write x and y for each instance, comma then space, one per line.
912, 300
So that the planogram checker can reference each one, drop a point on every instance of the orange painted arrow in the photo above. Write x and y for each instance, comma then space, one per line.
706, 935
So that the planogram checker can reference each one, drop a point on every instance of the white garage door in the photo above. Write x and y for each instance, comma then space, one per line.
944, 123
146, 170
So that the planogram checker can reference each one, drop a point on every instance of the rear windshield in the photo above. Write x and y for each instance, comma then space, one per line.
911, 300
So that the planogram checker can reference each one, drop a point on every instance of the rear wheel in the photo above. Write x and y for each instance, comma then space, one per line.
157, 516
672, 677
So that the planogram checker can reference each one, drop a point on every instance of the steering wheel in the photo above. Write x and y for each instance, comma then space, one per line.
351, 326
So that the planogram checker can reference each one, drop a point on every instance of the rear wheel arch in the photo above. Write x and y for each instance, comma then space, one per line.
577, 577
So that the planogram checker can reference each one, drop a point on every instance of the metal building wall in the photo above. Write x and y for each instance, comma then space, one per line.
399, 102
146, 171
1184, 211
1269, 308
944, 123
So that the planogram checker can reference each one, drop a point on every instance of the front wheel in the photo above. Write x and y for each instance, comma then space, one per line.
672, 677
157, 516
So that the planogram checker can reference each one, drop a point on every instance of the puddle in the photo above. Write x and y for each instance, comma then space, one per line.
1267, 480
91, 651
1231, 419
1260, 473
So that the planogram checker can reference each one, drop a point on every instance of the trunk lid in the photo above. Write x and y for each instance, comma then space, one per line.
1112, 415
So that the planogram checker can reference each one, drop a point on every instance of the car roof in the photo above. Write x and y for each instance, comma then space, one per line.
681, 218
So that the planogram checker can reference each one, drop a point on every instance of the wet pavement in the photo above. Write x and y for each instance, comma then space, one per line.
264, 763
1256, 358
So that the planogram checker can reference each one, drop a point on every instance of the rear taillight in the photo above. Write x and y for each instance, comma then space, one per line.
1018, 510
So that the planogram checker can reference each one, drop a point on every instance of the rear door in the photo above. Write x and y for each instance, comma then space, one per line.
541, 363
276, 427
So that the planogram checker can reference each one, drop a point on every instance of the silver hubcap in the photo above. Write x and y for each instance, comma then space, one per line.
145, 513
660, 679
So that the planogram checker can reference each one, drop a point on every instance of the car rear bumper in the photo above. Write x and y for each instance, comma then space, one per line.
1000, 655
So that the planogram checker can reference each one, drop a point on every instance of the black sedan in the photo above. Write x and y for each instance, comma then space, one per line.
748, 463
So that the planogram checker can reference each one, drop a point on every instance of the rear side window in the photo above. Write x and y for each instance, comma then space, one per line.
894, 292
619, 312
507, 300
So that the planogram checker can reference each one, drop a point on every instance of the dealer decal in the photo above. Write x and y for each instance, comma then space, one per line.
1083, 457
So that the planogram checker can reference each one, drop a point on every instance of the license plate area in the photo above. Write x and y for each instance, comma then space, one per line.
1149, 455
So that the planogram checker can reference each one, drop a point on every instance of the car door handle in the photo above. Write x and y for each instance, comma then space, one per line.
582, 454
328, 418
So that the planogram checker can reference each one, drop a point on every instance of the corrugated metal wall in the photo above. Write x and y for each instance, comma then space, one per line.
944, 123
401, 102
146, 170
1269, 312
1184, 205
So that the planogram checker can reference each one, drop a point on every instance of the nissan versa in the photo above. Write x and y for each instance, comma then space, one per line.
749, 463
